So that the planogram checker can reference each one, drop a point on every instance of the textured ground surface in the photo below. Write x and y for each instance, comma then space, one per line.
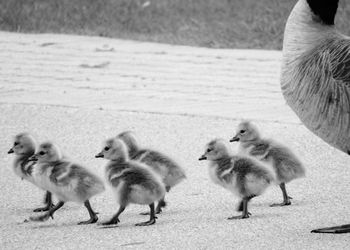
78, 91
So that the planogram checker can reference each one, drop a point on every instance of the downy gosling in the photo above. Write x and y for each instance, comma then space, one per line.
65, 179
24, 147
243, 176
285, 164
170, 172
131, 181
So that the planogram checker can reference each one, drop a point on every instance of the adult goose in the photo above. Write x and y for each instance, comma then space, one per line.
315, 76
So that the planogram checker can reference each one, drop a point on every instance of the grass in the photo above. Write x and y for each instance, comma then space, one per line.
206, 23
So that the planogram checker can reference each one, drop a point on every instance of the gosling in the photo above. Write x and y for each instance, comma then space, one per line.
24, 147
67, 180
131, 181
170, 172
286, 165
243, 176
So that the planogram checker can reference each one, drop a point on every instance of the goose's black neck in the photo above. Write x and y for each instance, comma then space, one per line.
325, 10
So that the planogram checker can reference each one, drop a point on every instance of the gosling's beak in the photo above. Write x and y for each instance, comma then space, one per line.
203, 157
235, 138
33, 158
99, 155
10, 151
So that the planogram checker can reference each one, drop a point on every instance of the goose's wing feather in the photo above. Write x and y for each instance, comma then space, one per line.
340, 61
324, 100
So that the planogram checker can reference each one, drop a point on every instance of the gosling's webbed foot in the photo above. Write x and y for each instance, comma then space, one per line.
285, 203
158, 211
243, 216
44, 209
41, 218
90, 221
147, 223
333, 230
110, 222
144, 213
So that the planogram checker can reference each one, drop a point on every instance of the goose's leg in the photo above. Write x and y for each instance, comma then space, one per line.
245, 213
47, 201
115, 218
152, 218
333, 230
286, 198
93, 215
49, 213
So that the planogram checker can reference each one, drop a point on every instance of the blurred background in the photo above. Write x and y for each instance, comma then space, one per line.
206, 23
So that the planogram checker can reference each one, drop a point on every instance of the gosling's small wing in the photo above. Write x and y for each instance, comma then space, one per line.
260, 149
161, 163
140, 177
27, 167
60, 173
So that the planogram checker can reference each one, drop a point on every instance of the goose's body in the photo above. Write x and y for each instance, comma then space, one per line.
284, 162
23, 148
67, 180
243, 176
170, 172
131, 181
315, 76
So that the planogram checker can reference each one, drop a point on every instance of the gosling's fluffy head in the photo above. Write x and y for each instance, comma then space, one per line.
113, 149
47, 152
129, 138
246, 131
216, 150
24, 144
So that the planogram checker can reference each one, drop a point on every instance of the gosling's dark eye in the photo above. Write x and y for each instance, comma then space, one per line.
106, 148
16, 143
41, 153
209, 150
242, 131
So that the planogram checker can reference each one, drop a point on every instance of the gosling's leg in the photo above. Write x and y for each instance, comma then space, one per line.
286, 198
115, 219
160, 205
47, 201
48, 214
245, 213
333, 230
240, 206
93, 215
152, 218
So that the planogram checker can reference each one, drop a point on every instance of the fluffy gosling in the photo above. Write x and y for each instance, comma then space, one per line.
286, 165
170, 172
24, 147
131, 181
67, 180
242, 176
